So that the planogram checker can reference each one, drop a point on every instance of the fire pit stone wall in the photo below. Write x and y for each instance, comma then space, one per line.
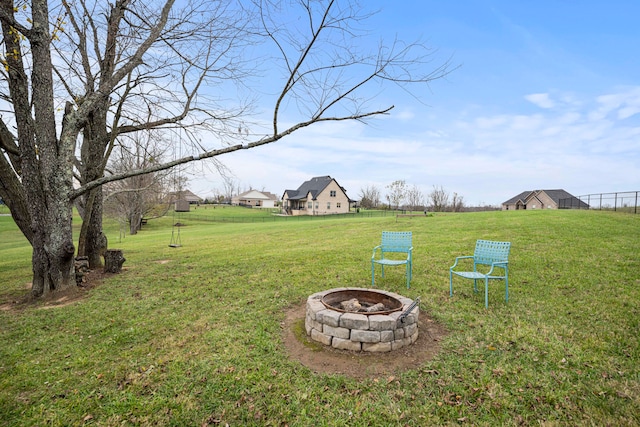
361, 332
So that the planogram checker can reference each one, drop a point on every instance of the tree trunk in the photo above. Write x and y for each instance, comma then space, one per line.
135, 220
113, 260
47, 176
92, 243
53, 250
94, 153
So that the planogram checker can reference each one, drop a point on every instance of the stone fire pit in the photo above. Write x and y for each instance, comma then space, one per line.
360, 319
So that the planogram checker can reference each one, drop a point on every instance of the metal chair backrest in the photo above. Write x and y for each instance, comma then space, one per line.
487, 252
396, 241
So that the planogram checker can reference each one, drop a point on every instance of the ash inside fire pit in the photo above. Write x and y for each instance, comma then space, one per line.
361, 301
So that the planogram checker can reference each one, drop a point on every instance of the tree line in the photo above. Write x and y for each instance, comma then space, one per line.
401, 195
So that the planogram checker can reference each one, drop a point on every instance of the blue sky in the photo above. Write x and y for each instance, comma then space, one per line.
546, 96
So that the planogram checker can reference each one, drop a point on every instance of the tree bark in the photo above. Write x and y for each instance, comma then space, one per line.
113, 260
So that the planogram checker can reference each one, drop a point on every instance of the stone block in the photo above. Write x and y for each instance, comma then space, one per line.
410, 329
397, 344
346, 344
329, 317
311, 324
386, 336
354, 321
320, 337
342, 333
314, 306
379, 347
410, 320
365, 336
398, 334
380, 322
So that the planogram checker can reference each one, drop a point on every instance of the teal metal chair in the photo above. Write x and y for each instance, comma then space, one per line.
393, 242
495, 257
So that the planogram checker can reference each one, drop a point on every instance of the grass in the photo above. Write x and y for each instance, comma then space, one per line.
192, 335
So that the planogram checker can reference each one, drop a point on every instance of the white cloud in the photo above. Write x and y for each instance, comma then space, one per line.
623, 104
542, 100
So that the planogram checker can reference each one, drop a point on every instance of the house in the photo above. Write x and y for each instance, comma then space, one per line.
321, 195
255, 198
543, 199
186, 195
183, 200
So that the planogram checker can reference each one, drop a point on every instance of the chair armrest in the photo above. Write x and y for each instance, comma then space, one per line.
373, 255
459, 258
502, 264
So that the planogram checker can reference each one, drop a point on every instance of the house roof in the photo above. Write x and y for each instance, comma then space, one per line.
520, 197
255, 194
186, 195
314, 187
555, 195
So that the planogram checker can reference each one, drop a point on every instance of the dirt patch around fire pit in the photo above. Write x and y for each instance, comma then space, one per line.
327, 360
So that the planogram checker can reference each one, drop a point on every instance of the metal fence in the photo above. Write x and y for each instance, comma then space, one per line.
626, 201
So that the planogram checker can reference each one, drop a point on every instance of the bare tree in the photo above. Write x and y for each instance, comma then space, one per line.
230, 187
160, 92
397, 193
323, 74
415, 198
439, 199
457, 203
143, 196
370, 197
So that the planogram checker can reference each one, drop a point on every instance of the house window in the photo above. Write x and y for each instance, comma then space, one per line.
309, 205
332, 193
338, 205
317, 205
328, 205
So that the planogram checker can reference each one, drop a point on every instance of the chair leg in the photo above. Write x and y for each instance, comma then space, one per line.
450, 283
506, 284
408, 274
486, 292
475, 285
373, 274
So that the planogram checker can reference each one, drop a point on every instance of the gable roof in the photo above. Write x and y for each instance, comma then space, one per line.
186, 195
520, 197
255, 194
555, 195
314, 187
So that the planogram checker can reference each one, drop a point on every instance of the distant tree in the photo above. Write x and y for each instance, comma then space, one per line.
230, 187
131, 199
415, 198
397, 193
439, 199
369, 197
457, 203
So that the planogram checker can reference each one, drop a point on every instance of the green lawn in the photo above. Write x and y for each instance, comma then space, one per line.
192, 335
